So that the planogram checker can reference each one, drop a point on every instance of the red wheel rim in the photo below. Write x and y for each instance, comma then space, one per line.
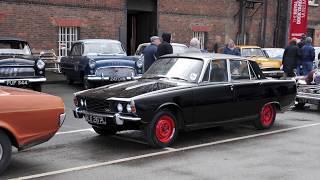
165, 129
267, 115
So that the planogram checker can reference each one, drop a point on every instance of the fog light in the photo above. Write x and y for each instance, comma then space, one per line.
40, 72
120, 107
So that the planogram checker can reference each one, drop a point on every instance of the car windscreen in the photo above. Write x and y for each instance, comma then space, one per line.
252, 52
185, 69
103, 48
177, 49
9, 47
275, 53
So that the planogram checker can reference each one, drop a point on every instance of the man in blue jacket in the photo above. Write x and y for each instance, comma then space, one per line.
308, 55
150, 51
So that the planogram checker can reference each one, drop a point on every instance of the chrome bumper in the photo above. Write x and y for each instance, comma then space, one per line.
118, 118
31, 80
103, 78
307, 98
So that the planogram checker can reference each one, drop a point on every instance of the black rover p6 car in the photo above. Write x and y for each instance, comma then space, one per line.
186, 92
17, 65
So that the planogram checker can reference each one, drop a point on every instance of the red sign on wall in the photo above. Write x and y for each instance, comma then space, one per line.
299, 18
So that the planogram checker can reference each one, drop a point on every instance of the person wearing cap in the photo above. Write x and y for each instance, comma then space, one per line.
150, 51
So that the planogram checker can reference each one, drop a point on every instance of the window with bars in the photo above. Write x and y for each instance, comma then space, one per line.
67, 36
201, 36
314, 2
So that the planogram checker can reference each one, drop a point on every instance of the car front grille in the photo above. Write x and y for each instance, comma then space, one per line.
98, 105
10, 72
116, 72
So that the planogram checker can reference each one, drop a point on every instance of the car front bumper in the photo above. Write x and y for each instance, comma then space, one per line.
94, 78
308, 98
117, 117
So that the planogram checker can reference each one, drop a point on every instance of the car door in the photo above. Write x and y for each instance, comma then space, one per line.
246, 89
213, 97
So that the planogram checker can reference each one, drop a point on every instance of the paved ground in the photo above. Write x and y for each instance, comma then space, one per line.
290, 150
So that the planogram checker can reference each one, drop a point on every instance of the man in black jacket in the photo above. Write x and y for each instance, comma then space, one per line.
165, 47
290, 58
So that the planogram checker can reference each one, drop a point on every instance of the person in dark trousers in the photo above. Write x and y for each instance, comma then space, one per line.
150, 51
290, 59
165, 47
231, 49
308, 56
300, 46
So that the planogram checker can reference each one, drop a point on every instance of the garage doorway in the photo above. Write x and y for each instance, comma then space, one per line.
141, 23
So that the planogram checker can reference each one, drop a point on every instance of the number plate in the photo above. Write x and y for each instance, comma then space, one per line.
17, 82
95, 120
117, 79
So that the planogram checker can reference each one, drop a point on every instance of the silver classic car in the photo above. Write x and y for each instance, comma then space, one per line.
18, 67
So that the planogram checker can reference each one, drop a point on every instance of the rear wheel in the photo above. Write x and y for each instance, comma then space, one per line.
105, 132
266, 118
162, 130
5, 151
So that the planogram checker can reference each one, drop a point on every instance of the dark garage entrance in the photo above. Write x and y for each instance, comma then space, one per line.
141, 22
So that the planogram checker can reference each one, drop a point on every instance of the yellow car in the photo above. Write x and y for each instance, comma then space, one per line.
270, 67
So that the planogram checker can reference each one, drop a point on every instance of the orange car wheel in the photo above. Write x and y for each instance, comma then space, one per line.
5, 151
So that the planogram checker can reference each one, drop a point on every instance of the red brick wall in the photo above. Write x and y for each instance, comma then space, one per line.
220, 15
38, 23
314, 22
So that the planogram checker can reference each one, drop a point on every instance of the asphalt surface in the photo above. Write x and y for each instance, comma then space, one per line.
290, 150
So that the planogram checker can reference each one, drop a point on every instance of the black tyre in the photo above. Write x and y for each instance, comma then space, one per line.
105, 131
37, 87
5, 151
87, 84
300, 105
266, 118
162, 131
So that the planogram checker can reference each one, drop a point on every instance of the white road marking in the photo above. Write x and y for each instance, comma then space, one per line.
129, 139
75, 131
168, 150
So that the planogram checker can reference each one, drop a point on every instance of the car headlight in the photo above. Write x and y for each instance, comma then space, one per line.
120, 107
131, 107
139, 63
92, 64
40, 64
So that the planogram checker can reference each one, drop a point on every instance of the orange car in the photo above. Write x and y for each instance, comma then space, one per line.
27, 118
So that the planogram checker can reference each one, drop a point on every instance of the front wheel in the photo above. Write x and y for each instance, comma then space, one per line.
37, 87
162, 130
5, 151
105, 132
266, 118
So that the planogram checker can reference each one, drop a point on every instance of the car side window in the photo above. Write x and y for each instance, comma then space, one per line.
76, 50
257, 71
239, 70
206, 75
219, 71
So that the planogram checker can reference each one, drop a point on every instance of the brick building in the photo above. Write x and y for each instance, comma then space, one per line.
54, 24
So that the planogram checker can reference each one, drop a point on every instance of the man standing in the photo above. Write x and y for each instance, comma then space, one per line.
150, 51
165, 47
231, 49
299, 61
308, 55
290, 59
194, 46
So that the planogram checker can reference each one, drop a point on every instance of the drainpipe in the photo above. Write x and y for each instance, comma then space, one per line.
264, 30
242, 22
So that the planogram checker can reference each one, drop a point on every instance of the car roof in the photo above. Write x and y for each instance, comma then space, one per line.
206, 56
98, 40
11, 39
